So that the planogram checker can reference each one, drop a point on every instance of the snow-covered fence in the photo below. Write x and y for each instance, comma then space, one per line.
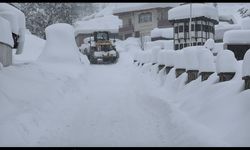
246, 70
154, 54
179, 63
206, 63
6, 42
161, 60
192, 62
169, 62
226, 65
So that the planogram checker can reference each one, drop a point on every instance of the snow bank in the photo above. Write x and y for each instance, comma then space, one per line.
109, 23
5, 32
154, 53
245, 23
209, 44
180, 59
198, 10
237, 37
143, 7
164, 44
246, 64
226, 62
162, 32
191, 57
60, 44
206, 61
170, 57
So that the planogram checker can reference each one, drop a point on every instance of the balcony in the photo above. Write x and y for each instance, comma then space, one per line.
129, 28
164, 24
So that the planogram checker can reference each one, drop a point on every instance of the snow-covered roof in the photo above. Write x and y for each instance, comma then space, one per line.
5, 32
226, 62
162, 32
237, 37
198, 10
222, 27
245, 23
109, 23
143, 7
246, 64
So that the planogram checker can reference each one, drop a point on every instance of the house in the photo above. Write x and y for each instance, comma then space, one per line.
141, 19
204, 19
12, 32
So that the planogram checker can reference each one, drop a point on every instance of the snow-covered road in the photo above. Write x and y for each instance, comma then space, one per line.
119, 109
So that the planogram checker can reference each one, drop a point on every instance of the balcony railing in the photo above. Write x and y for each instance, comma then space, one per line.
164, 24
129, 28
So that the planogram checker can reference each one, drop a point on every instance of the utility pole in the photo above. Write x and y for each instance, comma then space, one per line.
190, 21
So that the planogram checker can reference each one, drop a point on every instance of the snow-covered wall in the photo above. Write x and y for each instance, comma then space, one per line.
60, 44
5, 32
237, 37
198, 10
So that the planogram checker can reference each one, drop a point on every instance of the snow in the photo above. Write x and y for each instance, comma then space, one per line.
180, 59
13, 20
191, 57
245, 23
222, 27
206, 60
154, 53
209, 44
162, 32
143, 6
226, 62
237, 37
198, 10
109, 23
5, 30
164, 44
169, 58
161, 57
245, 64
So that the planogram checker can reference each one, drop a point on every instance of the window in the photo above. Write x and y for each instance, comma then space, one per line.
145, 17
185, 44
176, 29
186, 28
194, 44
181, 46
181, 28
199, 43
176, 46
197, 27
192, 27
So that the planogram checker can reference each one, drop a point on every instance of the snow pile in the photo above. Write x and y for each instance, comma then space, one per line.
60, 44
198, 10
143, 6
191, 57
109, 23
154, 53
5, 30
161, 57
209, 44
217, 48
206, 61
222, 27
237, 37
180, 59
13, 20
245, 64
245, 23
146, 56
226, 62
162, 32
169, 56
164, 44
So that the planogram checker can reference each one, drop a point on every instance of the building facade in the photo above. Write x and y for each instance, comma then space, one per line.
202, 25
141, 20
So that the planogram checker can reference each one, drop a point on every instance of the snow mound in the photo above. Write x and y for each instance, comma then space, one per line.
245, 23
162, 32
170, 57
5, 30
198, 10
60, 44
206, 61
13, 19
164, 44
154, 53
161, 58
237, 37
226, 62
223, 27
209, 44
191, 57
180, 59
245, 64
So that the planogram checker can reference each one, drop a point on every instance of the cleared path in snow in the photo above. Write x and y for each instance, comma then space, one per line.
119, 110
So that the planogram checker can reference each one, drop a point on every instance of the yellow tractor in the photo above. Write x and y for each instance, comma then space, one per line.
101, 50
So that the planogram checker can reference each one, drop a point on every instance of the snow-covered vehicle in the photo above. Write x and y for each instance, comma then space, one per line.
100, 49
